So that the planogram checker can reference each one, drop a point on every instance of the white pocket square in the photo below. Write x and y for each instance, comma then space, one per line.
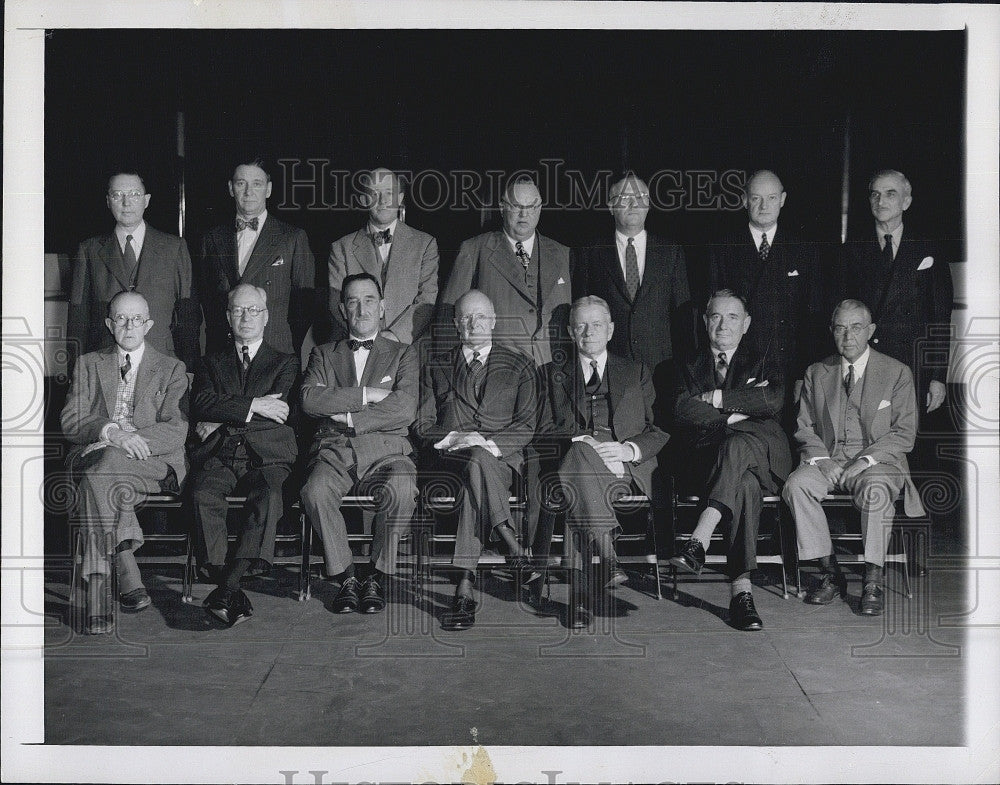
560, 281
278, 262
751, 380
927, 263
793, 274
883, 405
386, 379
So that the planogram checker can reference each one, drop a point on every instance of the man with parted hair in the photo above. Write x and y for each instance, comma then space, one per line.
403, 259
258, 249
599, 413
241, 406
123, 415
857, 422
731, 447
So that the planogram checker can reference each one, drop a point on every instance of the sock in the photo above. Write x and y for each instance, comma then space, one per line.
232, 574
363, 571
829, 564
706, 526
873, 573
741, 583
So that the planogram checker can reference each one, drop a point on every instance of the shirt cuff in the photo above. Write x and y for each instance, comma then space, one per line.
350, 420
492, 447
637, 453
717, 399
249, 413
364, 400
106, 430
871, 461
814, 461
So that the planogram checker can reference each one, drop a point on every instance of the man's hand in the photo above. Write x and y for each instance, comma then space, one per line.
936, 395
466, 441
341, 418
132, 443
271, 407
797, 391
830, 470
206, 429
375, 394
852, 470
707, 397
614, 451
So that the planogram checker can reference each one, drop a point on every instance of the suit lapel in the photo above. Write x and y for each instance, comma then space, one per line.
502, 257
548, 273
258, 367
376, 359
616, 372
613, 267
150, 363
873, 382
366, 255
343, 365
834, 388
151, 249
109, 375
230, 255
111, 255
262, 254
652, 271
572, 381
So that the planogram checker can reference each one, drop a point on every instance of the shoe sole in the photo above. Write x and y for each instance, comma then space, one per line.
239, 620
683, 565
373, 609
872, 613
218, 613
141, 606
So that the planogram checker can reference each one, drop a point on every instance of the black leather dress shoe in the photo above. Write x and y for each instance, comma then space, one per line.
135, 600
216, 604
100, 625
240, 608
616, 575
372, 596
691, 557
827, 590
872, 600
462, 615
579, 615
743, 614
347, 599
209, 573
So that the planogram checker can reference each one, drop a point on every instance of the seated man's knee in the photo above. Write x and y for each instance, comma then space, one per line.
793, 485
736, 445
317, 487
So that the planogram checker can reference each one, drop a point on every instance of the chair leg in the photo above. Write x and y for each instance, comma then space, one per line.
673, 575
781, 550
906, 565
187, 583
305, 590
651, 547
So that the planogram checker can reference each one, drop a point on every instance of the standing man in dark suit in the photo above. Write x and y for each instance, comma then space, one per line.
134, 256
857, 422
240, 405
260, 250
123, 413
780, 279
363, 389
644, 280
403, 259
906, 283
599, 407
477, 413
726, 415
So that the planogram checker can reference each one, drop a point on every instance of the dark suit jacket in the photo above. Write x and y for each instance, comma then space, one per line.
331, 387
525, 323
163, 278
701, 426
785, 293
160, 385
506, 415
906, 304
218, 395
410, 285
659, 324
630, 388
281, 263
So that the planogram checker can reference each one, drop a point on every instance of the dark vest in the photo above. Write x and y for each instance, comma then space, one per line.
595, 403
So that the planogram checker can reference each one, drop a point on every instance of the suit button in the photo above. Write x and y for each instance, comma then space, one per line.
874, 340
782, 321
531, 310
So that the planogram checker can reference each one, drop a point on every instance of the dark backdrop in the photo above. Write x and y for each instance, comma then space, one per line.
691, 101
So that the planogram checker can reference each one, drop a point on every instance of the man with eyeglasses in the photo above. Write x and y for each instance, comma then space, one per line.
477, 413
258, 249
362, 391
644, 280
857, 422
133, 257
240, 405
732, 450
779, 276
403, 259
599, 411
123, 414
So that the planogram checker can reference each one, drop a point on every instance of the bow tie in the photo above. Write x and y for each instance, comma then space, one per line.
356, 344
241, 224
381, 238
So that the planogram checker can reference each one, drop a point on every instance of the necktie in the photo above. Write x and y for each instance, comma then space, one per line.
887, 250
381, 238
721, 369
522, 255
241, 224
476, 367
356, 344
129, 254
631, 269
246, 358
595, 377
126, 367
764, 249
849, 380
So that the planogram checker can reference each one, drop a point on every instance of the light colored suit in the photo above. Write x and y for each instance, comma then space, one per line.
110, 482
888, 424
409, 279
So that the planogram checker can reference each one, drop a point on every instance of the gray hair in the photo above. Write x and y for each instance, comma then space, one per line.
590, 299
907, 188
244, 286
848, 305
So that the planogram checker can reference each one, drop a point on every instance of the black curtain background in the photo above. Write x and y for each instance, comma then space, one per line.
693, 101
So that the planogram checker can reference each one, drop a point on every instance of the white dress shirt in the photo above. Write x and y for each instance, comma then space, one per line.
639, 241
252, 348
897, 238
529, 244
384, 249
758, 235
138, 237
246, 239
484, 352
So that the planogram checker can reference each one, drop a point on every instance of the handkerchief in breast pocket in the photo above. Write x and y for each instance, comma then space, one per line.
883, 404
386, 379
793, 274
926, 264
278, 262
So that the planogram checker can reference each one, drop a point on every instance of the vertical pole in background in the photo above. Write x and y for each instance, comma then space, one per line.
181, 204
845, 193
625, 166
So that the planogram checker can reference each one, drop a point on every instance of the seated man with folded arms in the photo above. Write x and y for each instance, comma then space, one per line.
599, 407
857, 421
240, 406
123, 413
731, 447
363, 390
476, 415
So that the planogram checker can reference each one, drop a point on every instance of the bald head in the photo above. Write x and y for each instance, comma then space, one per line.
764, 198
628, 201
475, 319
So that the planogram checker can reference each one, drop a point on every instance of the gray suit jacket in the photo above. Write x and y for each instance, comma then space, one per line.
531, 326
160, 385
888, 415
409, 286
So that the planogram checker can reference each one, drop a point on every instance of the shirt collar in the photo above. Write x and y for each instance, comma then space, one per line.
529, 244
135, 356
859, 365
260, 220
897, 238
251, 347
391, 227
484, 352
639, 241
371, 337
601, 360
138, 234
728, 352
758, 233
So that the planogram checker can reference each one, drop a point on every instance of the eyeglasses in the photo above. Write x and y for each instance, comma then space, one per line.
582, 327
855, 329
521, 208
472, 319
119, 196
256, 185
132, 321
630, 200
253, 310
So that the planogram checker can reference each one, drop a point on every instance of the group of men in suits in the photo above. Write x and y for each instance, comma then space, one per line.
590, 356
